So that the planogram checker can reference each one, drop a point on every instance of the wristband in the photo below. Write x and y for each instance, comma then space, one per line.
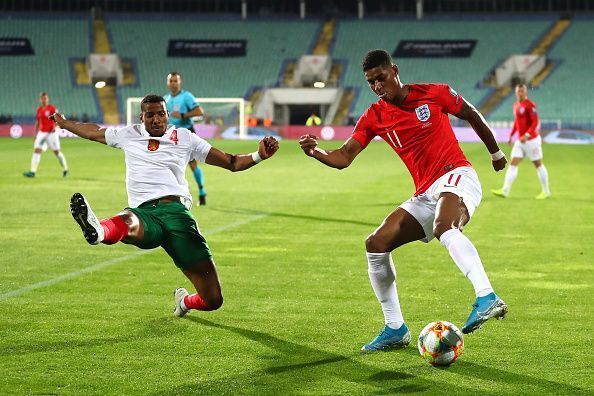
256, 157
183, 115
497, 155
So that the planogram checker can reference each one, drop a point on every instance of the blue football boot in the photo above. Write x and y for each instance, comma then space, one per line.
389, 338
483, 309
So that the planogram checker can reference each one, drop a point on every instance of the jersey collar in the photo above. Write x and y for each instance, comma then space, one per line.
179, 93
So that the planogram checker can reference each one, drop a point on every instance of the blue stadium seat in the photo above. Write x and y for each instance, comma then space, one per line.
496, 41
268, 44
55, 41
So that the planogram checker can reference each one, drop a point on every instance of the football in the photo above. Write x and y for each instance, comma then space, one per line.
440, 343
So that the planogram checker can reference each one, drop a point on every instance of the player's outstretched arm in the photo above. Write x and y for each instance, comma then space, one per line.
338, 159
476, 120
87, 131
238, 162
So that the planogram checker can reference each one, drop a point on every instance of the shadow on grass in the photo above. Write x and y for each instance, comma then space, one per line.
523, 383
485, 373
154, 328
292, 216
296, 368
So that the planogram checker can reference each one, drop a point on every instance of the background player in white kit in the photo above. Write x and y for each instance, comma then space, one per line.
158, 214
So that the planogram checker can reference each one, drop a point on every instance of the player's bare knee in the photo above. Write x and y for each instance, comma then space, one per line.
375, 244
440, 227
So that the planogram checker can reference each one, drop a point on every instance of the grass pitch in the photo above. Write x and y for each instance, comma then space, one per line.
288, 238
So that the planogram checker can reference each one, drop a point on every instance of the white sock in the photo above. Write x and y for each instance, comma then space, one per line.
543, 176
510, 176
35, 159
467, 259
62, 160
382, 275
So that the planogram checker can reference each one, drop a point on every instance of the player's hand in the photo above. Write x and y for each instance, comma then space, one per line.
58, 119
524, 139
308, 144
268, 146
509, 142
499, 164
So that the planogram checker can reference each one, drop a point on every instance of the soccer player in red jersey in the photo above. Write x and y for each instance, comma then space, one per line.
413, 120
528, 144
45, 130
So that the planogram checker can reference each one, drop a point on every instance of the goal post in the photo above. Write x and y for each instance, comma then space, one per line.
231, 111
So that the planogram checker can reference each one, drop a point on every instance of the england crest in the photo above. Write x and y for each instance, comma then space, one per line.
423, 113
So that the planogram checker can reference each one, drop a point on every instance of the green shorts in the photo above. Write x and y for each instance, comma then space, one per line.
171, 225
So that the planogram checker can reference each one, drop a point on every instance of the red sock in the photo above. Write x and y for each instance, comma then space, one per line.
115, 230
194, 301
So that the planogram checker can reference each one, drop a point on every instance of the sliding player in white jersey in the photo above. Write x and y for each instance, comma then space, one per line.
158, 196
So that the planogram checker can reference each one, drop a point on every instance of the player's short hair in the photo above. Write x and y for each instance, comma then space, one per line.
375, 58
151, 98
42, 94
174, 73
519, 85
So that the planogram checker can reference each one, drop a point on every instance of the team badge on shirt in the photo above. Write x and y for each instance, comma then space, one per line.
153, 145
522, 110
423, 113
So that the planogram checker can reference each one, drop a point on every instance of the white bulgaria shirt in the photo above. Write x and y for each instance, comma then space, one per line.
156, 166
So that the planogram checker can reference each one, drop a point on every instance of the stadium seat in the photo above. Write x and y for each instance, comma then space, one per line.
55, 40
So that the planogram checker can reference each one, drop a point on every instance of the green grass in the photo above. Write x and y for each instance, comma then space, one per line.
288, 238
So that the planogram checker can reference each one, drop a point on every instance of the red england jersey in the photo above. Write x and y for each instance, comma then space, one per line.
45, 124
525, 119
418, 130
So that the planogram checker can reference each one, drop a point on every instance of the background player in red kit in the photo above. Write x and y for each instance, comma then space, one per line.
528, 144
413, 120
45, 134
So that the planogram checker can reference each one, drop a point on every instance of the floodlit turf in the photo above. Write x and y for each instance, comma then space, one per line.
288, 238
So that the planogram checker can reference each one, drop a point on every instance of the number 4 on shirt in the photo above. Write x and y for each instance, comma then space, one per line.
173, 136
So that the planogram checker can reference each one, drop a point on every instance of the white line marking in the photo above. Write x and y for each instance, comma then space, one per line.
108, 263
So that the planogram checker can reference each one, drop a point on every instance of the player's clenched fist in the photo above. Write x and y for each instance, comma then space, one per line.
308, 144
58, 118
268, 146
499, 164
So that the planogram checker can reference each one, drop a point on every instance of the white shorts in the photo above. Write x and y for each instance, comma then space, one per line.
462, 181
531, 149
49, 138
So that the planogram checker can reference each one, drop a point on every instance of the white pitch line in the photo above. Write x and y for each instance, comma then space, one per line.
108, 263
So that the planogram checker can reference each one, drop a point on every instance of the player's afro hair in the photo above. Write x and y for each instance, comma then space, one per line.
375, 58
151, 98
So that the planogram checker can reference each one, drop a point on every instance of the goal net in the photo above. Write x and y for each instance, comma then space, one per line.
225, 113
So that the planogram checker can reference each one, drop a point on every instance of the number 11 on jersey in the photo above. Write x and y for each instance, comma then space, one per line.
393, 136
